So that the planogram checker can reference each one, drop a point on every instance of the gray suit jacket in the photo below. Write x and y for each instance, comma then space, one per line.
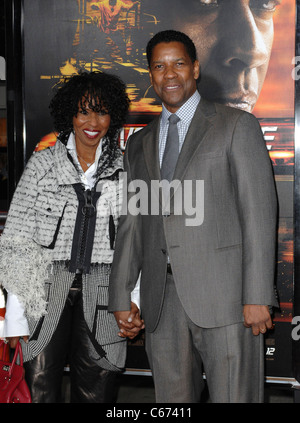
229, 259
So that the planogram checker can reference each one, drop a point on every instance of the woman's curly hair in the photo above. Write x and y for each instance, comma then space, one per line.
102, 93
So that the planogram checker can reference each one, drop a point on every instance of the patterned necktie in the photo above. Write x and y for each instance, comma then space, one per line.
171, 152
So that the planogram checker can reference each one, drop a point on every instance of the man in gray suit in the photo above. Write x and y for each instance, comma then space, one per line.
207, 281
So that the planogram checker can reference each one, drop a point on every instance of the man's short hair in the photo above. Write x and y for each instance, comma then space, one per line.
169, 36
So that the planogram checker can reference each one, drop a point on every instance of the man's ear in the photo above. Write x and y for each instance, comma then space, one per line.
150, 74
196, 69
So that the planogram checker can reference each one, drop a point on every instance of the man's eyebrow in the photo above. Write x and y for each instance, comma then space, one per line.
162, 60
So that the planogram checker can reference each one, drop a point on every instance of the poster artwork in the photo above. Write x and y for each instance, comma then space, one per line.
246, 51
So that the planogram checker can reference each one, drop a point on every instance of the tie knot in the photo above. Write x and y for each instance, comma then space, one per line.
174, 119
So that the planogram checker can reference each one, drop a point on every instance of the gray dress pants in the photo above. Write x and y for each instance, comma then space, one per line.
178, 352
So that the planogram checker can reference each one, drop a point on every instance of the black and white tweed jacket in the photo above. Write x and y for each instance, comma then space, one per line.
33, 267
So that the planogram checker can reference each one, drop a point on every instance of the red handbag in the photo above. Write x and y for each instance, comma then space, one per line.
4, 352
13, 387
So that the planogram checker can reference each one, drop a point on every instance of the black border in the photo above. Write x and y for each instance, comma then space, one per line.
14, 79
296, 299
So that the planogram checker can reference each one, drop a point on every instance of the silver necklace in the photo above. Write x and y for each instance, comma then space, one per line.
88, 164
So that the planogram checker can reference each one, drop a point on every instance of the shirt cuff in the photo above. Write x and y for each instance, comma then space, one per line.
15, 323
135, 294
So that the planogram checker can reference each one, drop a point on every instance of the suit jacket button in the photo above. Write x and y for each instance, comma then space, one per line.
163, 251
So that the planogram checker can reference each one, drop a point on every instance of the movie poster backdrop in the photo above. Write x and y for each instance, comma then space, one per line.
246, 51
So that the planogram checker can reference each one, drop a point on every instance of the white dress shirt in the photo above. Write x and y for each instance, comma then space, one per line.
185, 114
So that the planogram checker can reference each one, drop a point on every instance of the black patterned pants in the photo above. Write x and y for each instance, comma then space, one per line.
69, 344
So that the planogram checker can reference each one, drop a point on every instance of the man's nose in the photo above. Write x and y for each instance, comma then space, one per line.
170, 72
243, 44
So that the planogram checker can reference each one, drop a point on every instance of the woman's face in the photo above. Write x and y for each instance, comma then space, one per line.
90, 126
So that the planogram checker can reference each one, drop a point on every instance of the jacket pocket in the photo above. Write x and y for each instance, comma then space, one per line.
226, 213
49, 212
105, 328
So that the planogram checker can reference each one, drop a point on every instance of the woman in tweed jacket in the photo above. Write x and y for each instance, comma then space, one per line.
57, 246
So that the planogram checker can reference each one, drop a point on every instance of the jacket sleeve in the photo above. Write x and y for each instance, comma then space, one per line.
128, 251
257, 207
21, 219
23, 263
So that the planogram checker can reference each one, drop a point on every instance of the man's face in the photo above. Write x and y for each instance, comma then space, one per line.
233, 40
173, 74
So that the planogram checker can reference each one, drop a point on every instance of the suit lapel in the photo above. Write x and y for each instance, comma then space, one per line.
198, 128
151, 149
66, 172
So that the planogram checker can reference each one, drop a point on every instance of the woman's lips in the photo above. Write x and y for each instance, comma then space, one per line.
91, 134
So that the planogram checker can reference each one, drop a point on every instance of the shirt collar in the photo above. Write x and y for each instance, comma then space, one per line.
71, 147
185, 112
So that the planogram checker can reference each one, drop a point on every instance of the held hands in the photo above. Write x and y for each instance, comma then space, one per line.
129, 322
258, 318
